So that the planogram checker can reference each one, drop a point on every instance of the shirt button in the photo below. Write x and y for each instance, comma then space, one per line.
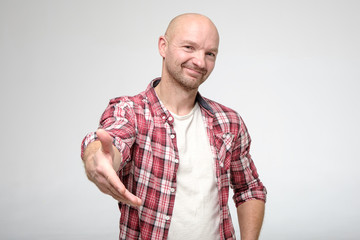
167, 218
172, 190
170, 118
163, 117
176, 160
221, 164
172, 136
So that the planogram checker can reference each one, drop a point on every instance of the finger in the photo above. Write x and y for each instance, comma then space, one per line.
129, 198
106, 140
126, 201
122, 194
119, 190
110, 180
132, 199
106, 187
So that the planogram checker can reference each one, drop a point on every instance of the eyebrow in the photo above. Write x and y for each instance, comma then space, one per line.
197, 45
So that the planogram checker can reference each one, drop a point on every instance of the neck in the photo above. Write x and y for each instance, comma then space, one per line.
175, 98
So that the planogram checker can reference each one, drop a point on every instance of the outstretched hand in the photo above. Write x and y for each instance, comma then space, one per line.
100, 166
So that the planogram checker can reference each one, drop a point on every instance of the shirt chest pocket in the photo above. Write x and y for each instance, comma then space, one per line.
223, 145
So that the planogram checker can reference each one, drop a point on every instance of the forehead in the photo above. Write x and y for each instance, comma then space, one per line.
197, 30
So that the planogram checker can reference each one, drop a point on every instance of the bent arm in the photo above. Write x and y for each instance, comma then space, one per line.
102, 160
250, 217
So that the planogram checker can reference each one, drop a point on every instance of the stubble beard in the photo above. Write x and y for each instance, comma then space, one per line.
186, 82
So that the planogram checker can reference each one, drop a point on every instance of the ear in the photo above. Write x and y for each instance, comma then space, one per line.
162, 45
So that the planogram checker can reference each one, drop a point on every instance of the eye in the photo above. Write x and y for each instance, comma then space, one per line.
188, 47
211, 54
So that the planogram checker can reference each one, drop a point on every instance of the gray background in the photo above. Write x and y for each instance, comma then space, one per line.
290, 68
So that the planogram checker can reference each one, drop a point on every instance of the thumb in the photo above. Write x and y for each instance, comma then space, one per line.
106, 140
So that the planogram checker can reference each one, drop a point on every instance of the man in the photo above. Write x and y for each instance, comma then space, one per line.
168, 155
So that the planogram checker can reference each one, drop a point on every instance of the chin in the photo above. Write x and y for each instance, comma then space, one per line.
192, 83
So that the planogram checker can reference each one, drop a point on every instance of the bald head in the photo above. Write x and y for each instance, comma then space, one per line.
185, 20
189, 49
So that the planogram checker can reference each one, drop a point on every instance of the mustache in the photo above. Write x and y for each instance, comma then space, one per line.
203, 71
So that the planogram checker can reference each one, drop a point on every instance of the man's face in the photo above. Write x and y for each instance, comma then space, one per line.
191, 52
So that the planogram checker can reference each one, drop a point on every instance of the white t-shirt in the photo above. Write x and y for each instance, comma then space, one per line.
196, 210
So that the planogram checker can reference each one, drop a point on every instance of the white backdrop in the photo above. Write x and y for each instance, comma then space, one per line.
290, 68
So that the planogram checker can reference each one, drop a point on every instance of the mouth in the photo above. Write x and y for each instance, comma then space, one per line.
193, 71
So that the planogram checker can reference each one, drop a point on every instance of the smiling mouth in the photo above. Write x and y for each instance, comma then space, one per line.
194, 71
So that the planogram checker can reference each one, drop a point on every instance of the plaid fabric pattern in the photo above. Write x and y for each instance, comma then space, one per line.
143, 131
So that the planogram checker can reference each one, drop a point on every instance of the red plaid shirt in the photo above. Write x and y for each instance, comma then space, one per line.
143, 132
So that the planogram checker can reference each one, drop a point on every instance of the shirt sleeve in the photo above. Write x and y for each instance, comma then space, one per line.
119, 121
244, 178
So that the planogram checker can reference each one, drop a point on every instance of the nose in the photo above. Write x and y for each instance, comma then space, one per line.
199, 60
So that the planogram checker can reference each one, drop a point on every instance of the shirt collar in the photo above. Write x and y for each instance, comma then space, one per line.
160, 109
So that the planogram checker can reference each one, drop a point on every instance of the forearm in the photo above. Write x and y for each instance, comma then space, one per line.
250, 216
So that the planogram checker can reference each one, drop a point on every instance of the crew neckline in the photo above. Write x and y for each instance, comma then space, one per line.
196, 106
